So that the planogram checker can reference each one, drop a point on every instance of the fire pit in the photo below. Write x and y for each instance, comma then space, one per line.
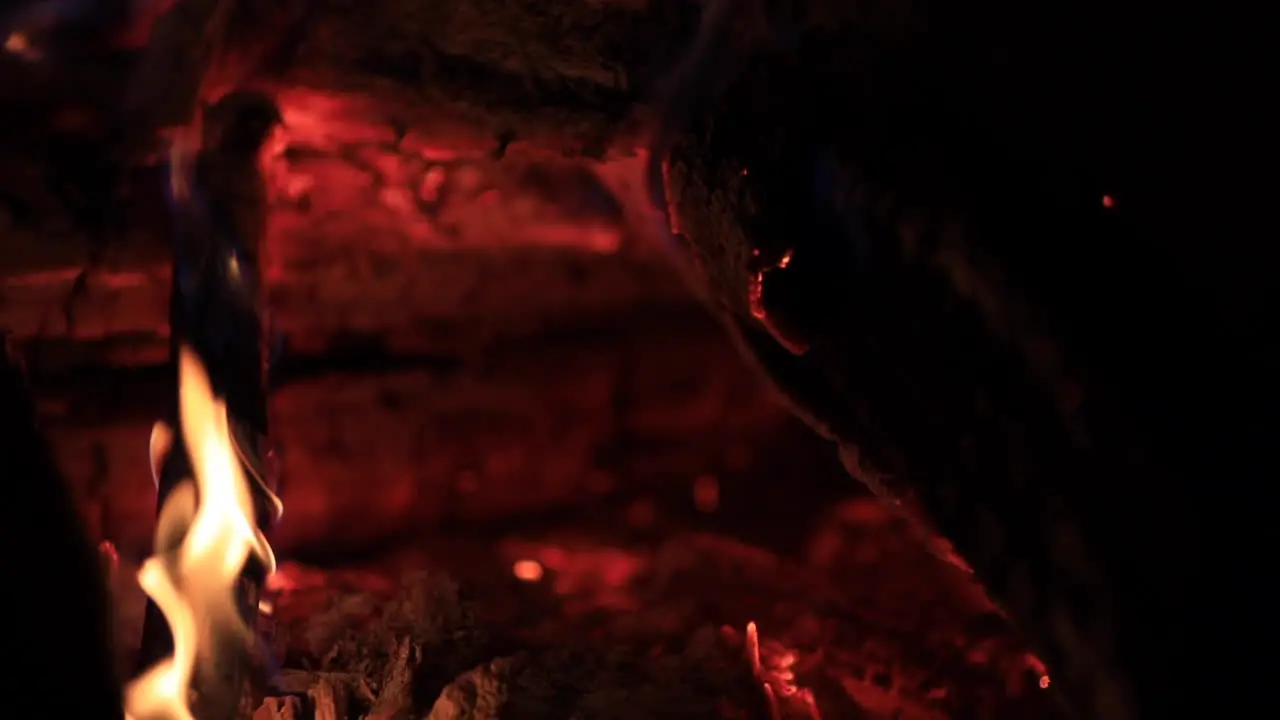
412, 358
525, 475
554, 489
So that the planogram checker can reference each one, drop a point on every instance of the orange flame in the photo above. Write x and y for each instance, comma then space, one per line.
204, 536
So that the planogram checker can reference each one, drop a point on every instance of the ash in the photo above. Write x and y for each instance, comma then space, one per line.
571, 623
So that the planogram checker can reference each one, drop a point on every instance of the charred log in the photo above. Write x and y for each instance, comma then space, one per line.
934, 243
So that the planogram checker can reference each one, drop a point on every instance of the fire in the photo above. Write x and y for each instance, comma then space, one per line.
204, 536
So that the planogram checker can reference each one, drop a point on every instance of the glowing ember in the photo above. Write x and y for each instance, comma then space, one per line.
761, 269
755, 288
1038, 667
110, 556
776, 673
18, 44
1108, 202
204, 537
161, 443
527, 570
755, 295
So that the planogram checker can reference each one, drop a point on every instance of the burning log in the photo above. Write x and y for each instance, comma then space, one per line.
360, 164
866, 233
363, 249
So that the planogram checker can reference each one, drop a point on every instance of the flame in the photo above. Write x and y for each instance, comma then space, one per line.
205, 535
161, 444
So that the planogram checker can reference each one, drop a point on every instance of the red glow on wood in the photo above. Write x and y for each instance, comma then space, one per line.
110, 556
